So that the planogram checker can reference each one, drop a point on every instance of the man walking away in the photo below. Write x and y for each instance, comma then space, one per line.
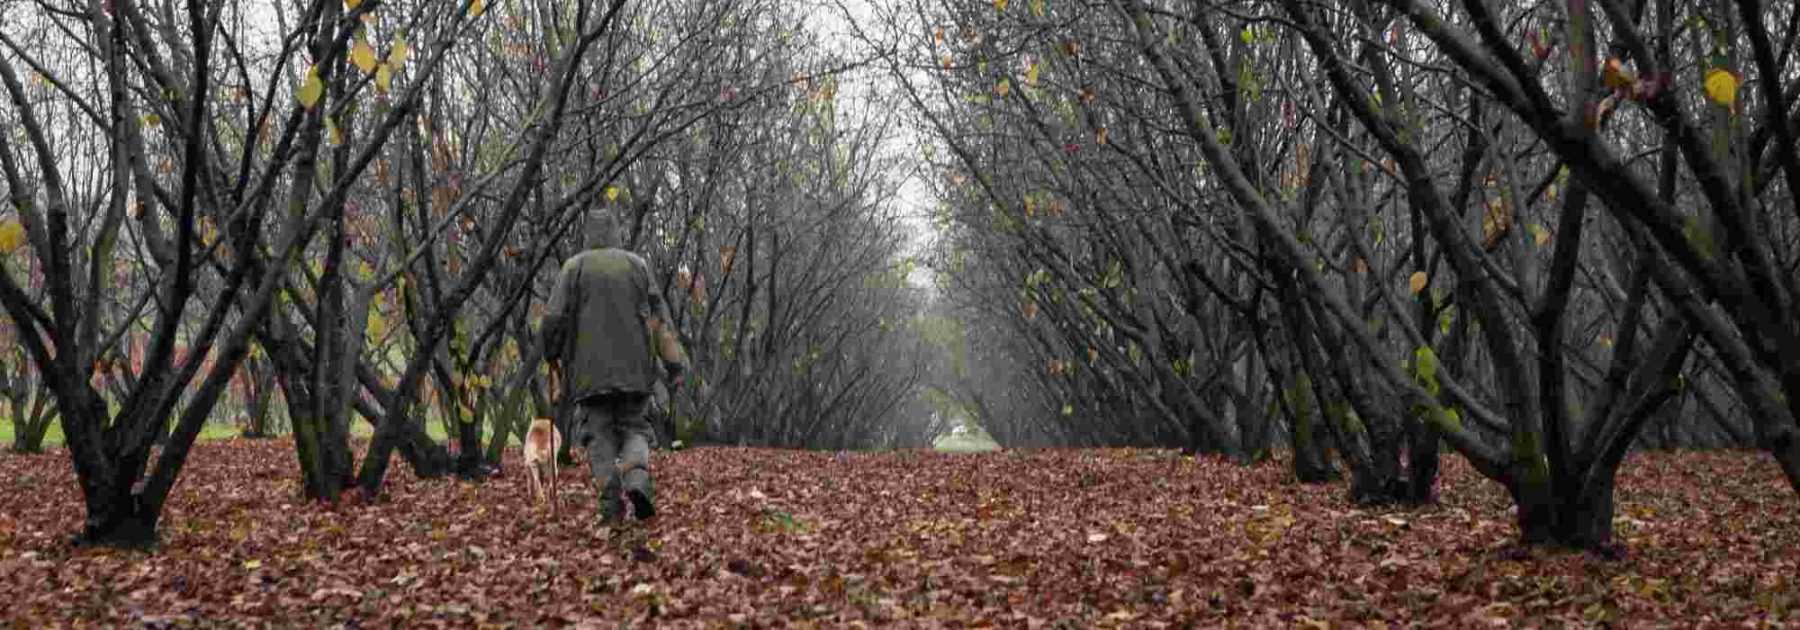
607, 337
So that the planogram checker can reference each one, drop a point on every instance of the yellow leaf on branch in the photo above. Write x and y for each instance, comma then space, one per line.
1722, 86
377, 327
397, 55
12, 236
363, 56
1495, 223
1417, 282
312, 89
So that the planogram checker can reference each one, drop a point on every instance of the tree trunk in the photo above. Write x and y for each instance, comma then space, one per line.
468, 439
427, 458
1312, 457
513, 413
342, 387
1587, 521
1786, 450
1364, 428
262, 382
1579, 518
1252, 424
299, 398
32, 417
122, 524
1422, 459
509, 418
1367, 485
115, 515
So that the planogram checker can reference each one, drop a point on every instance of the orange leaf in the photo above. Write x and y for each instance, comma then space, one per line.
1615, 75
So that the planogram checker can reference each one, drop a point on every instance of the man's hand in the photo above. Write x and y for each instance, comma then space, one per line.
675, 370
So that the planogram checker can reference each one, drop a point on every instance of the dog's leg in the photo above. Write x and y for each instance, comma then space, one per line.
531, 473
555, 447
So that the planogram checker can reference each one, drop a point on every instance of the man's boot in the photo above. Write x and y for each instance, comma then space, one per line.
611, 504
641, 492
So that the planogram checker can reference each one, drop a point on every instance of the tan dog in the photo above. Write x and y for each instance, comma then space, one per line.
542, 442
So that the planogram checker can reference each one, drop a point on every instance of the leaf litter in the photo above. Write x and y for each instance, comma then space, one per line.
1118, 537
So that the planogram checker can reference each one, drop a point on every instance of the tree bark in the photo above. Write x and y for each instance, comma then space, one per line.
260, 380
1312, 460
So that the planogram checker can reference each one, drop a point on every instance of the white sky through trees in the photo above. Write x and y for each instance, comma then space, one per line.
843, 25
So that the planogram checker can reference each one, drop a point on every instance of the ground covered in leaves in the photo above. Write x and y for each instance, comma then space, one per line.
771, 537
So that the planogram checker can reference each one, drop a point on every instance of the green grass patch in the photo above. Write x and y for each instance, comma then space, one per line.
433, 428
966, 443
213, 431
54, 439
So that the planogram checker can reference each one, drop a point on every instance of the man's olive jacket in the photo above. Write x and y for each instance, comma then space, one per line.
597, 324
